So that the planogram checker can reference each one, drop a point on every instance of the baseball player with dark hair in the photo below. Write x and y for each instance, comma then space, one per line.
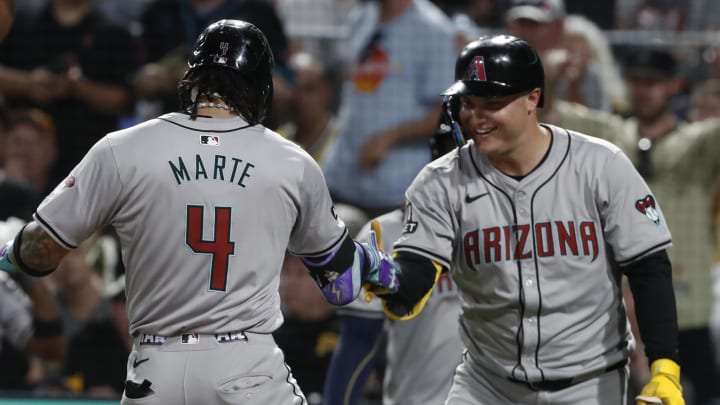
536, 225
205, 203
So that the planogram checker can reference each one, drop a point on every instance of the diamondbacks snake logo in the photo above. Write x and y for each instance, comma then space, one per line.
647, 207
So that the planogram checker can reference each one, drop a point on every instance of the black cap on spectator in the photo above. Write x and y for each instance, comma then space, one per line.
651, 64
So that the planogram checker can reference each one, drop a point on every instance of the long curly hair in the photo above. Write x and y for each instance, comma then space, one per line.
250, 97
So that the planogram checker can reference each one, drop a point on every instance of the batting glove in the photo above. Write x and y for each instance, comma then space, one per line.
380, 272
6, 263
664, 385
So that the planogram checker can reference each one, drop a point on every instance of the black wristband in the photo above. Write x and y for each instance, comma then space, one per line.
47, 329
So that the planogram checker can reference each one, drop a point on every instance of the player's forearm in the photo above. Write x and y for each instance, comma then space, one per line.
338, 273
341, 273
35, 252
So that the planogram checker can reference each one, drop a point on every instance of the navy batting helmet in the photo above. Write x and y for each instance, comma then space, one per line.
241, 49
497, 66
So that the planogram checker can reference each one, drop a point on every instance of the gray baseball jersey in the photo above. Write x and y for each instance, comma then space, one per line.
536, 259
204, 210
422, 354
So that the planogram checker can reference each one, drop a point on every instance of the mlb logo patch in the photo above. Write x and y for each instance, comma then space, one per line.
190, 338
210, 140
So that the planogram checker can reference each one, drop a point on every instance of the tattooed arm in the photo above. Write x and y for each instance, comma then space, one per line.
33, 251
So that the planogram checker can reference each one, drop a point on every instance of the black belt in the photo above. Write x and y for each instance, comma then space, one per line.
561, 384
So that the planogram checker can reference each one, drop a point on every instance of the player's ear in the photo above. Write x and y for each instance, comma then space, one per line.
533, 99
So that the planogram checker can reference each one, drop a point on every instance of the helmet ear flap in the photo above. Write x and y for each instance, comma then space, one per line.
451, 114
454, 107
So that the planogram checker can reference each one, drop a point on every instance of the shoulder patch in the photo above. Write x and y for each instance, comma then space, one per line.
647, 207
409, 225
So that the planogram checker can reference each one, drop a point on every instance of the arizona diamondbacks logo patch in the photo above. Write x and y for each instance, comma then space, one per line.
476, 70
647, 206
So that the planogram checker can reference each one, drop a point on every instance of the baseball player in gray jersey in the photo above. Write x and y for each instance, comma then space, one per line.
537, 224
205, 204
430, 338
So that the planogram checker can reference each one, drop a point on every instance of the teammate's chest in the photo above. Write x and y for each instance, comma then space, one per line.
499, 225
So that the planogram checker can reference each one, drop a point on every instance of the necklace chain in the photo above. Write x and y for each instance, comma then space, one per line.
203, 104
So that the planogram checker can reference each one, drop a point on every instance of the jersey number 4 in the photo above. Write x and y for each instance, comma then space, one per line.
220, 248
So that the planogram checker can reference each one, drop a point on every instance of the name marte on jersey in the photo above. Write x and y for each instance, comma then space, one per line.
517, 242
223, 168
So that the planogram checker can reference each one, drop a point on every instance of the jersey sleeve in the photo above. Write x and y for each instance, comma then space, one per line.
633, 223
85, 200
428, 228
318, 229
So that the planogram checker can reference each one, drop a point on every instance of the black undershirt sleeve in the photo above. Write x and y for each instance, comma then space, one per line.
650, 281
416, 277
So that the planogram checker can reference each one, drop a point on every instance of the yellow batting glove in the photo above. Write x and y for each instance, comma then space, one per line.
664, 385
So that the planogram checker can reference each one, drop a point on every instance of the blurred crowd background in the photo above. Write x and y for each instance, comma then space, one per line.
357, 84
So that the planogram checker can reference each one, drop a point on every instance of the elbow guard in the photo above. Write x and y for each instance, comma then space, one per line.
417, 280
339, 287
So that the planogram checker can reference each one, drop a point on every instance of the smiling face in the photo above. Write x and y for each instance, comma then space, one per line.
498, 125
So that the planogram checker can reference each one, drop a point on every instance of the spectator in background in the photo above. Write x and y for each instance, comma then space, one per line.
105, 338
18, 198
679, 162
400, 56
474, 18
30, 149
29, 323
169, 29
310, 331
80, 287
315, 26
542, 24
705, 100
6, 17
705, 105
67, 59
590, 50
312, 122
652, 15
28, 153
